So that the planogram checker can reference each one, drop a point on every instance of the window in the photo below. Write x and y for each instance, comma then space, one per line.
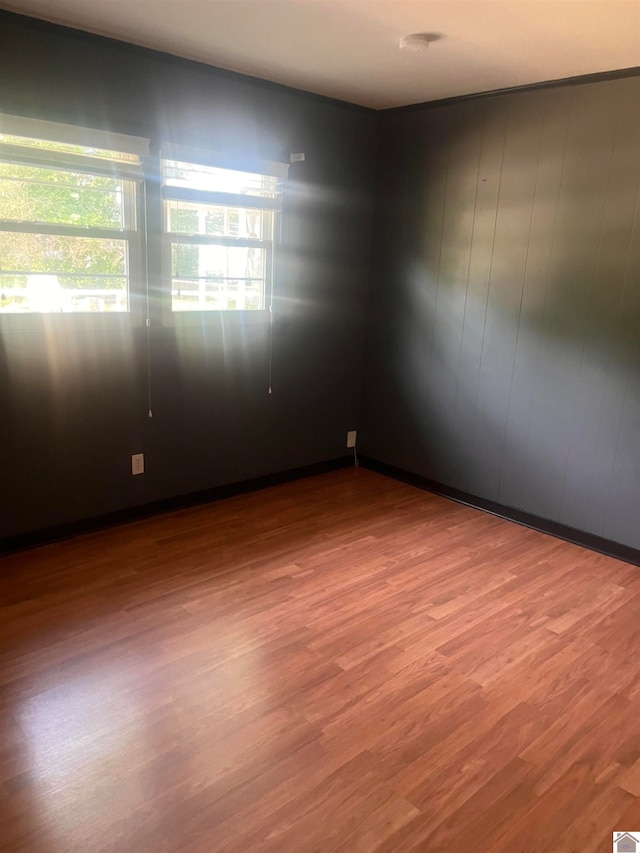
70, 235
220, 225
72, 224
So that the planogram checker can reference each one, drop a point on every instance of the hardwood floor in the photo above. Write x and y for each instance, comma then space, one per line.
341, 663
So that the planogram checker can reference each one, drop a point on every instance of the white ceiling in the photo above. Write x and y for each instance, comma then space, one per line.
348, 49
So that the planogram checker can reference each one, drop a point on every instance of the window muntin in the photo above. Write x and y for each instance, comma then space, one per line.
220, 228
69, 222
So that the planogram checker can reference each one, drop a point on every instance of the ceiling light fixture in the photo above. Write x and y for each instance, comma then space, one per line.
417, 42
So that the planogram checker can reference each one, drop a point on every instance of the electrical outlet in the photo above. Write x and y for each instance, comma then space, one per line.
351, 438
137, 464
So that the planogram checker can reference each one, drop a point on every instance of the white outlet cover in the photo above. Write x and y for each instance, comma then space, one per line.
137, 464
351, 438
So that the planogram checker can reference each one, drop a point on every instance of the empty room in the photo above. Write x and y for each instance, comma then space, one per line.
320, 426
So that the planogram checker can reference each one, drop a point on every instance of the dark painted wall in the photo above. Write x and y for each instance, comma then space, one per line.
504, 350
504, 338
73, 391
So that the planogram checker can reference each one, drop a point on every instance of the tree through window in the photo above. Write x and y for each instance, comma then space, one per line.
69, 218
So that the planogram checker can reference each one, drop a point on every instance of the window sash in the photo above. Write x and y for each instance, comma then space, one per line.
179, 239
130, 189
133, 274
221, 199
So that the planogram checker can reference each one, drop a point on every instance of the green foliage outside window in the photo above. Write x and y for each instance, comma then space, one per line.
33, 194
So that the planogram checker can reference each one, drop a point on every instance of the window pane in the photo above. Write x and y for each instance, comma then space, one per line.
192, 176
65, 148
217, 278
31, 194
191, 218
51, 273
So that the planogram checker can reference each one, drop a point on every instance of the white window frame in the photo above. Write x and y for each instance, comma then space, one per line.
133, 232
200, 157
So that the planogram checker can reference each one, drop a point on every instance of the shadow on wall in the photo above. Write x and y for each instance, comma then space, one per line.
506, 341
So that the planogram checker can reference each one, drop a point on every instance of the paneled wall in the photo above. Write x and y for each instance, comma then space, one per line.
503, 356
